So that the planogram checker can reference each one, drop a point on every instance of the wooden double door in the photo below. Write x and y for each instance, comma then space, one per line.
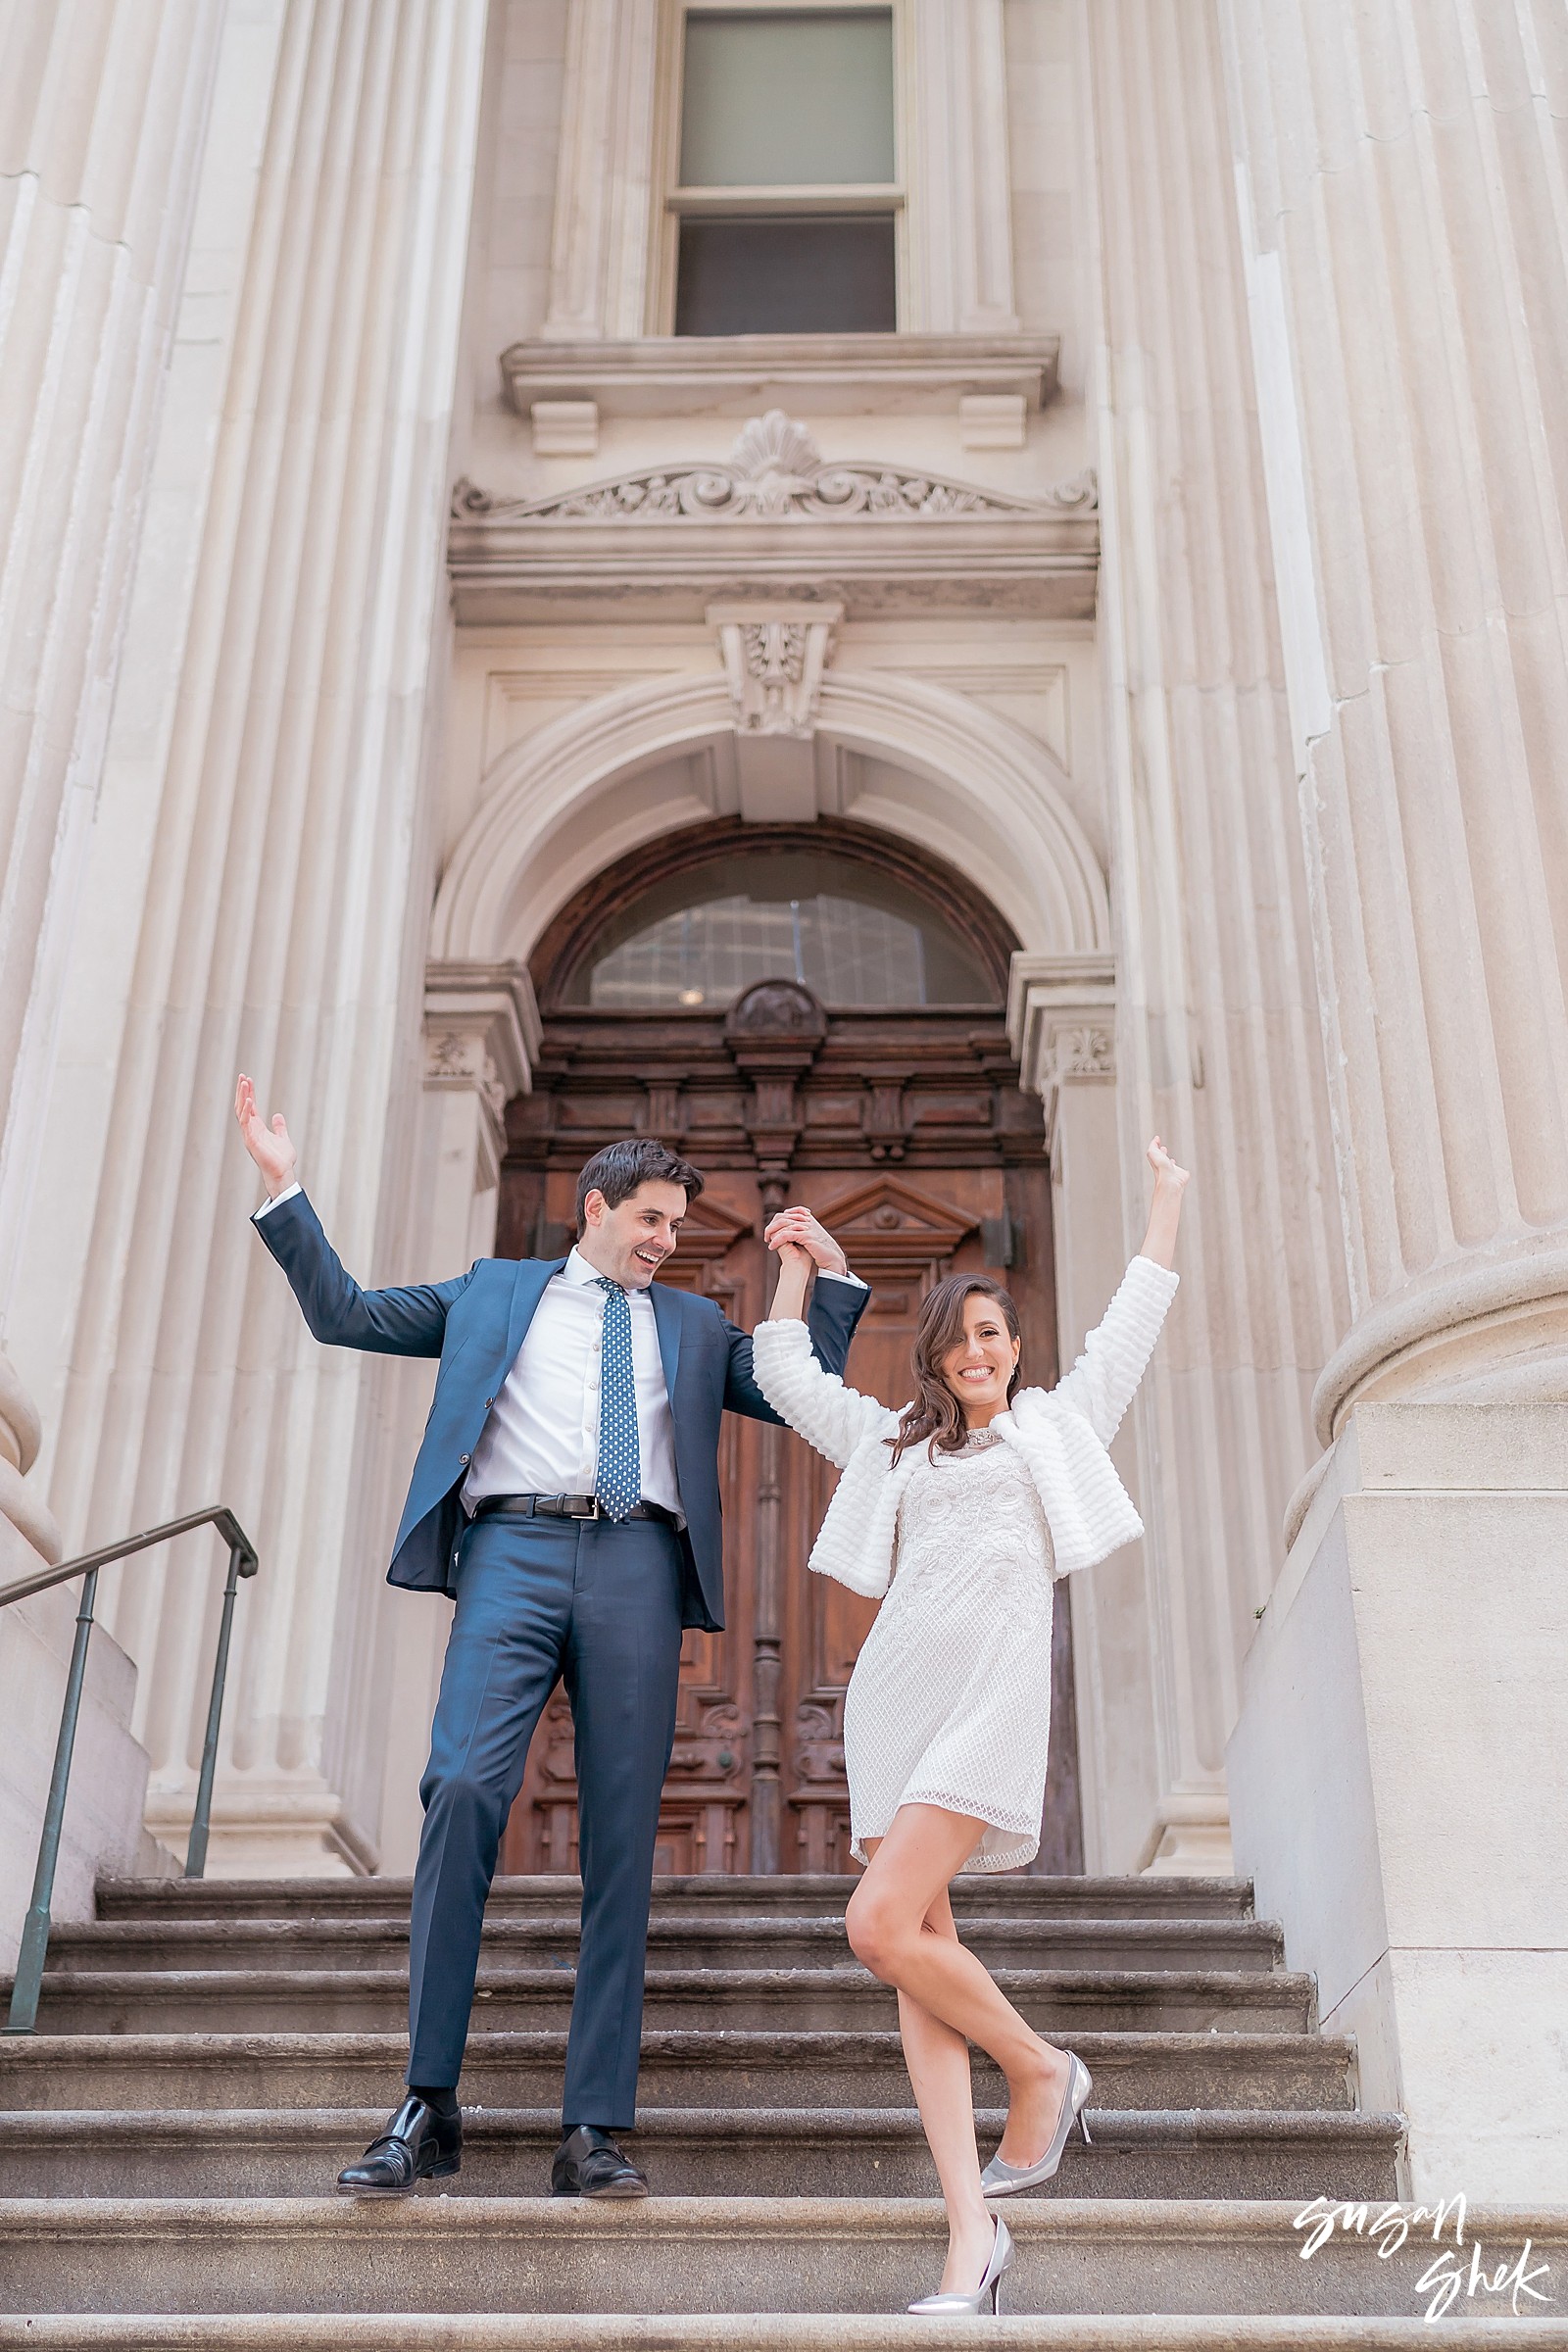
908, 1138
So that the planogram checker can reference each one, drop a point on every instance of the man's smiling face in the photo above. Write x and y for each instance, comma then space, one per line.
631, 1242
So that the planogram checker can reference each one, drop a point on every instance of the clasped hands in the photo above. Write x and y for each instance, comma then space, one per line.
801, 1242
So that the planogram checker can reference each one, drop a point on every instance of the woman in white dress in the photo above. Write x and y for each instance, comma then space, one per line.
962, 1510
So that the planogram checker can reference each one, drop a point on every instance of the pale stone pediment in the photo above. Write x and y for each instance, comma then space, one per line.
774, 471
775, 511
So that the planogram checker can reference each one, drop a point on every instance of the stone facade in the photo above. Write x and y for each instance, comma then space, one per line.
1187, 573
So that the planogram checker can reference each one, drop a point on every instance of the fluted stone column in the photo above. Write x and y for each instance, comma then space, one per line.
482, 1039
1403, 199
1405, 193
1061, 1024
102, 119
281, 931
1217, 1044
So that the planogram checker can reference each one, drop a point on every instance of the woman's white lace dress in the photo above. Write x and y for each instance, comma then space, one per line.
950, 1701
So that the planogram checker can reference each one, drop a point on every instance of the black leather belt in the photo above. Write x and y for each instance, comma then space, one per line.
565, 1506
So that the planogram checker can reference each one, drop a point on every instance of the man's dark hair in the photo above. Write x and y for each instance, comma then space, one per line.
619, 1168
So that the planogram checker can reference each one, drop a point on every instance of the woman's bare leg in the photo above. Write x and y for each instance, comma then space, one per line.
901, 1926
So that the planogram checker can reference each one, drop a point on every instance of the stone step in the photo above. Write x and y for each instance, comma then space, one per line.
683, 2066
452, 2255
714, 1892
1061, 2002
695, 2152
677, 1939
768, 2332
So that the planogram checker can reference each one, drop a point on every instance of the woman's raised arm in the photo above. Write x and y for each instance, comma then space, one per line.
1166, 1210
815, 1403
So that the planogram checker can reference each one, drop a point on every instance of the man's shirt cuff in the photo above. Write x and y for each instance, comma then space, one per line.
277, 1202
823, 1275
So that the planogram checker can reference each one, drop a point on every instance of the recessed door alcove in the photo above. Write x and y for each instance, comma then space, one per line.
812, 1013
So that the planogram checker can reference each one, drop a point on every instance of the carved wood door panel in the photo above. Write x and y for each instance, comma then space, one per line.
703, 1819
901, 1235
756, 1778
898, 1118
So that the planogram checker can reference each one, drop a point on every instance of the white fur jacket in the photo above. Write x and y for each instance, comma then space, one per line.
1062, 1433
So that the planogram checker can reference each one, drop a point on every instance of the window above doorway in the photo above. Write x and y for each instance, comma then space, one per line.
786, 197
858, 939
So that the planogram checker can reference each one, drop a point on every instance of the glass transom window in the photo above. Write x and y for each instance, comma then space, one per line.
855, 939
788, 177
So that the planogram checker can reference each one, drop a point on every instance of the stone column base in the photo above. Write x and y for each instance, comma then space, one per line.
1191, 1838
1399, 1781
275, 1832
103, 1825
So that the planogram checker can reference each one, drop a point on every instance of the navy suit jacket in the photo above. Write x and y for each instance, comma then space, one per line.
475, 1324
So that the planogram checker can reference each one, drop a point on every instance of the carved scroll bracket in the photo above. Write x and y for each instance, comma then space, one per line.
481, 1035
1062, 1024
774, 1032
775, 654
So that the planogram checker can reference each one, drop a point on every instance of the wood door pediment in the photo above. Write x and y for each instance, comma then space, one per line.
708, 1232
892, 1229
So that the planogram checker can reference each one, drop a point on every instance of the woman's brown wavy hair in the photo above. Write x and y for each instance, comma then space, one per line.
936, 1413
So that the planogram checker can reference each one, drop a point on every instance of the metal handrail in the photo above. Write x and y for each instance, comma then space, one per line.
242, 1562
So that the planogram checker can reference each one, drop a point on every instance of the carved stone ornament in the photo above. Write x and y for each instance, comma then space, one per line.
774, 657
462, 1057
1080, 1053
774, 471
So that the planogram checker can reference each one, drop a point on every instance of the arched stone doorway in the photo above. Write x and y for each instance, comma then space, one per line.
813, 1012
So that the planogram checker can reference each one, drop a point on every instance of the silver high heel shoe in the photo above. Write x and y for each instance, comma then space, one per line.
999, 2179
958, 2305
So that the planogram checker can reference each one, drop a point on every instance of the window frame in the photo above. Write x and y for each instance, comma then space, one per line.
717, 881
881, 200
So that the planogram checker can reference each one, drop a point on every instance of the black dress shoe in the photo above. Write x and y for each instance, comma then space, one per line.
588, 2164
417, 2145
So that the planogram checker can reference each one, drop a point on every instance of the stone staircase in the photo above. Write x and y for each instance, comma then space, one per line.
210, 2053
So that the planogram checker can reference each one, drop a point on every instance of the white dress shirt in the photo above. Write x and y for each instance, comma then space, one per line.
542, 1434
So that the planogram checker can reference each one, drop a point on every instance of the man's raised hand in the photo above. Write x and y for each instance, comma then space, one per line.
268, 1146
798, 1229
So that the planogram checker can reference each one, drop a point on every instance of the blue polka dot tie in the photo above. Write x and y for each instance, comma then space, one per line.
619, 1483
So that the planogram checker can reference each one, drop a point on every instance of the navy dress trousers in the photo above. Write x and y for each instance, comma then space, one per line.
599, 1604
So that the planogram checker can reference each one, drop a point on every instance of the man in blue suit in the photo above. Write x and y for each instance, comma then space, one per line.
566, 1495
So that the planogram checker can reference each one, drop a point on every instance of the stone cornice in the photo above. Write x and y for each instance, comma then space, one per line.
686, 375
776, 515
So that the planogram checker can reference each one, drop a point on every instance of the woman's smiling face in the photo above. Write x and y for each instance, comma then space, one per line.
980, 1367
